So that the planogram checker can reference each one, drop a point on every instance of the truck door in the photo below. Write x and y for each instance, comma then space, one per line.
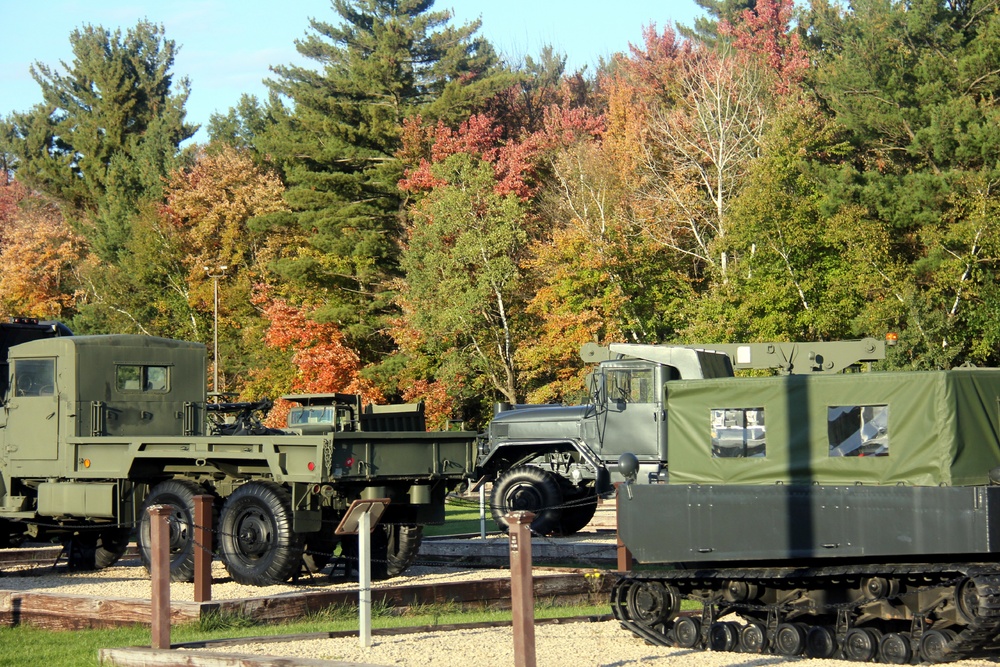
634, 416
32, 411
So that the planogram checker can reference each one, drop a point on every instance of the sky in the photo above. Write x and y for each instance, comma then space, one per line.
227, 46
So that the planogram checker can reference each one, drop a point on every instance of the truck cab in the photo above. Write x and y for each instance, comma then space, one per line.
555, 460
66, 388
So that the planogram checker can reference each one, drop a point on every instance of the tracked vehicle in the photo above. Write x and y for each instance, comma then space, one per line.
95, 429
853, 516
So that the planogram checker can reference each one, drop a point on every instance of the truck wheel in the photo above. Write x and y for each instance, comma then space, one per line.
318, 547
394, 547
111, 546
579, 509
179, 495
90, 550
402, 545
256, 541
528, 489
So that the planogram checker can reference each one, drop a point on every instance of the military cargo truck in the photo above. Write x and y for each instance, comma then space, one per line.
555, 460
95, 429
842, 516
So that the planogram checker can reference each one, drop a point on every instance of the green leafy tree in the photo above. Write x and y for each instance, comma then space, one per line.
783, 281
107, 130
914, 84
337, 146
464, 281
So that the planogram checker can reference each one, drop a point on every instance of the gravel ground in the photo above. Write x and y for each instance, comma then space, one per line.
129, 579
603, 644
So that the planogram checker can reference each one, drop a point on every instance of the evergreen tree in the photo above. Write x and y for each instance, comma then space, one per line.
243, 123
108, 127
915, 86
336, 146
706, 28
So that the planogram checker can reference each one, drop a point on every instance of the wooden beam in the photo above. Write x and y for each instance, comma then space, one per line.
74, 612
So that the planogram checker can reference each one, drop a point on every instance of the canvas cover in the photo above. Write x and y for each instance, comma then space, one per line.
918, 428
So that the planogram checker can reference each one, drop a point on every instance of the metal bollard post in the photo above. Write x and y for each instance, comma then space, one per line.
521, 589
203, 548
482, 511
159, 570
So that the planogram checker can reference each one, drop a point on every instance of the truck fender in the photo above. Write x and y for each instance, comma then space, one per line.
522, 450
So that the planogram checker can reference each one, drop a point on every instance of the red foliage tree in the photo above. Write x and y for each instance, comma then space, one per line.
11, 195
765, 31
515, 163
654, 66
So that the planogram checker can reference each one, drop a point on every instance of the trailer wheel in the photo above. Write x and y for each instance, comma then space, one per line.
528, 489
402, 545
394, 547
256, 541
179, 495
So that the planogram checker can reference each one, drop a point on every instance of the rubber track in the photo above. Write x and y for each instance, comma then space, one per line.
974, 639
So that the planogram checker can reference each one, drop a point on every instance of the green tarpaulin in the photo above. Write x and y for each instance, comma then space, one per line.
924, 429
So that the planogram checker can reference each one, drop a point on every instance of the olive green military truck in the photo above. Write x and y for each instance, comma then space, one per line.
554, 460
95, 429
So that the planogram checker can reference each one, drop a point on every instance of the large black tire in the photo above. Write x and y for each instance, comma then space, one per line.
528, 489
579, 509
256, 540
96, 550
394, 548
111, 546
179, 495
402, 545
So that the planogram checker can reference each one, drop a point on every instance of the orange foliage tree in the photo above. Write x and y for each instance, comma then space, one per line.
208, 208
214, 200
38, 254
320, 359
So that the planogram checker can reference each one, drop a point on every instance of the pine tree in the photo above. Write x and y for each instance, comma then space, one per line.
387, 60
706, 28
110, 124
914, 85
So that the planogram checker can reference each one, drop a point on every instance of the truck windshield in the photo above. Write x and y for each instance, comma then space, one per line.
631, 385
313, 415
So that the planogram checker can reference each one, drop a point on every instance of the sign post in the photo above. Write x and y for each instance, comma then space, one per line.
361, 517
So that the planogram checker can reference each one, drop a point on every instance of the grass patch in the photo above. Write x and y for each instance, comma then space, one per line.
461, 518
24, 646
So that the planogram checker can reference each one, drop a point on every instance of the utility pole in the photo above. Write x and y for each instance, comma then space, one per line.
215, 274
